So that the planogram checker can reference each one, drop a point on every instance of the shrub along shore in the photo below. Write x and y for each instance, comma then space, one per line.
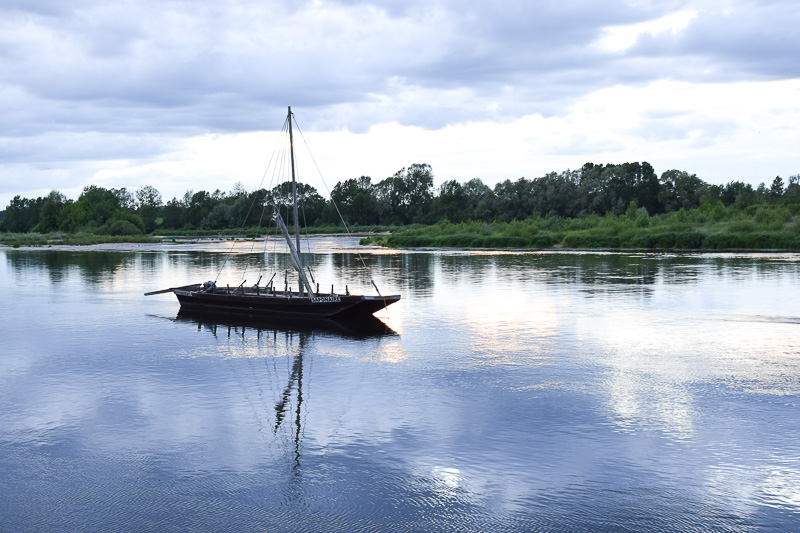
16, 240
709, 227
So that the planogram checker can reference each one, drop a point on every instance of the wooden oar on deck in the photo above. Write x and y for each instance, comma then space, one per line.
162, 291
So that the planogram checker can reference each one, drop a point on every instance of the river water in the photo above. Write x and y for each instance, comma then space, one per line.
553, 391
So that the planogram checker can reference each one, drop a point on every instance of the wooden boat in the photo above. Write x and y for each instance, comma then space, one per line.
267, 301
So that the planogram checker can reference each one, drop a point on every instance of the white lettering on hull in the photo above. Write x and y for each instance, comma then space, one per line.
325, 299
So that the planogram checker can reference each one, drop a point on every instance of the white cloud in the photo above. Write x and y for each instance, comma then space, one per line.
619, 38
126, 91
670, 124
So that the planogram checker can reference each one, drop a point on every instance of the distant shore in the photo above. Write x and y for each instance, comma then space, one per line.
708, 228
369, 241
711, 227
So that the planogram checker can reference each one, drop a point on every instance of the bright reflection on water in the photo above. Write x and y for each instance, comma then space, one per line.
511, 391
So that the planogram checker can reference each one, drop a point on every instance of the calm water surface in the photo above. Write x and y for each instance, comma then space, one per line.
514, 391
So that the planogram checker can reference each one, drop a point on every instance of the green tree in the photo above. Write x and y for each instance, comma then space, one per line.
419, 191
238, 190
451, 202
739, 194
479, 198
149, 216
762, 194
646, 187
48, 214
148, 195
356, 201
407, 196
101, 203
124, 227
252, 209
72, 216
200, 204
387, 196
310, 204
594, 190
514, 200
776, 191
173, 214
96, 210
22, 214
220, 217
680, 189
793, 188
125, 199
556, 194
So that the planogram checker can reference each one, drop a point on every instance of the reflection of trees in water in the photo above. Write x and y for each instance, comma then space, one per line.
209, 260
464, 269
150, 262
740, 267
596, 270
599, 273
591, 272
348, 270
412, 272
417, 272
94, 267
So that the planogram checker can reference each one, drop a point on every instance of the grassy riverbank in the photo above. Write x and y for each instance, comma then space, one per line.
709, 227
71, 239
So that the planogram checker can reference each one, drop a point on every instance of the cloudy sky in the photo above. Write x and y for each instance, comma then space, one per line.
183, 94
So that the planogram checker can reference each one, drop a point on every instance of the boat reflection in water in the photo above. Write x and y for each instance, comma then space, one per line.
363, 328
299, 337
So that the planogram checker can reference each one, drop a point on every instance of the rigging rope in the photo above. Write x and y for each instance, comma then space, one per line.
252, 204
278, 172
338, 212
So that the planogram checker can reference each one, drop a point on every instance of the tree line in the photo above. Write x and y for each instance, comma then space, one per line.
407, 197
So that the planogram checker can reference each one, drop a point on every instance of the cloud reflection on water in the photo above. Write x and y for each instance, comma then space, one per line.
518, 384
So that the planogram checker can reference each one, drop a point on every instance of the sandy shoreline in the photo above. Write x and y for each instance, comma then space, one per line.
344, 244
318, 243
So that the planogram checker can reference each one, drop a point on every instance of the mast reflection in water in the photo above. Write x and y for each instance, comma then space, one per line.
296, 336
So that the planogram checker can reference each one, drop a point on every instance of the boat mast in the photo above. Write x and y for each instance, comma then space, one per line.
298, 263
293, 253
294, 187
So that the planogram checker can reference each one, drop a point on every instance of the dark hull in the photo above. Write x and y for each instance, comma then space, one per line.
280, 306
359, 328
